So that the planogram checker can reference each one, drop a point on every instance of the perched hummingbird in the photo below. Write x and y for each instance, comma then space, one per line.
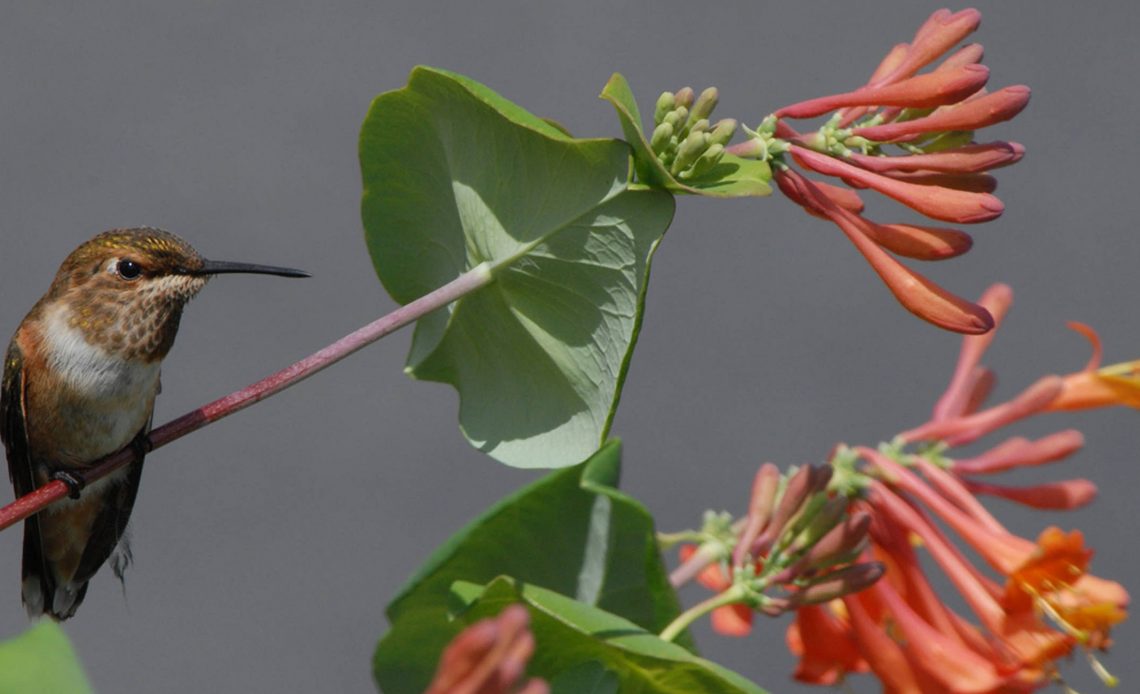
80, 378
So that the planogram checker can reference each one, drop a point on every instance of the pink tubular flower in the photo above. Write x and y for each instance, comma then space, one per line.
937, 171
489, 657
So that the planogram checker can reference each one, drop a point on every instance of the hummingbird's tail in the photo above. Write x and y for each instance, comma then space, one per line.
65, 546
41, 592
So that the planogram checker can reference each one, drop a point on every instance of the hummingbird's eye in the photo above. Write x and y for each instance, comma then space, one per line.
128, 269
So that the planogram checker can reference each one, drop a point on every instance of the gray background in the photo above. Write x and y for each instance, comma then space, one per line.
268, 544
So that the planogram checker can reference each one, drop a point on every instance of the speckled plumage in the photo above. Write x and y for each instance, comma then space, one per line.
80, 379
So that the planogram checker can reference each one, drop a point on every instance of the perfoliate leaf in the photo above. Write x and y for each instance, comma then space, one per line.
569, 633
41, 660
456, 177
572, 532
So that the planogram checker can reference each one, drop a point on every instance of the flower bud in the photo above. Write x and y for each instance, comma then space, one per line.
842, 542
1062, 495
660, 140
665, 104
683, 98
972, 158
1019, 452
922, 91
692, 147
761, 505
849, 579
944, 204
676, 118
830, 512
704, 163
723, 131
920, 242
973, 114
705, 104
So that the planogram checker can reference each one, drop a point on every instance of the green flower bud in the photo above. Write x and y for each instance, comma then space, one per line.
705, 104
693, 146
676, 117
660, 140
829, 515
700, 126
684, 97
704, 163
723, 131
665, 104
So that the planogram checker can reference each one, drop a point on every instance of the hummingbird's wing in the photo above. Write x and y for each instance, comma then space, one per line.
36, 578
12, 430
109, 531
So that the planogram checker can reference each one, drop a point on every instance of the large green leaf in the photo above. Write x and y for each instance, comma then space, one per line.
572, 532
569, 633
732, 177
41, 660
456, 177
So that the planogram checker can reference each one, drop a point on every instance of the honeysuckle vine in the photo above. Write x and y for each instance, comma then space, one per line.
522, 254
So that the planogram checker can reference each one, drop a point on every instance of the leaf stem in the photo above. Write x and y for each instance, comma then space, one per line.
736, 593
473, 279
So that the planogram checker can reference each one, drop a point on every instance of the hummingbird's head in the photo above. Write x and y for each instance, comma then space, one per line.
125, 288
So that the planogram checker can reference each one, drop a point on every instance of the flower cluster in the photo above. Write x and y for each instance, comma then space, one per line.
800, 544
928, 120
1031, 603
683, 139
489, 657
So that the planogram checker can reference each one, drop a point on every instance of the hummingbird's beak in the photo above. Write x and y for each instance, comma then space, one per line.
220, 267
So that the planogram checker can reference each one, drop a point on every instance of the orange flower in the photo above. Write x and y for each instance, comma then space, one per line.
1096, 386
825, 645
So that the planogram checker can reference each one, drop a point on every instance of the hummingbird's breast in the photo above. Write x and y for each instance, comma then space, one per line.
90, 401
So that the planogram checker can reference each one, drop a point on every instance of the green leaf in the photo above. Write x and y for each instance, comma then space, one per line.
455, 176
588, 678
572, 532
569, 633
732, 177
41, 660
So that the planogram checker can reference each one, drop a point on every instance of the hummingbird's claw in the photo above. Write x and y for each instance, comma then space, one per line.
75, 483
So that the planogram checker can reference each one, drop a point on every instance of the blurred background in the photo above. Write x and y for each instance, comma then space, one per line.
268, 544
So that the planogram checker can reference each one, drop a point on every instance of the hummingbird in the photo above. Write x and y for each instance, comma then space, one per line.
80, 379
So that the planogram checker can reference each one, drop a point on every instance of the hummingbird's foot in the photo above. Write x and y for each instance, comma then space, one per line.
74, 482
141, 445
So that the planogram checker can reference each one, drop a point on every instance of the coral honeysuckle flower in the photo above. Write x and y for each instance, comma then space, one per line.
489, 657
825, 645
909, 136
1097, 386
1031, 603
841, 545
